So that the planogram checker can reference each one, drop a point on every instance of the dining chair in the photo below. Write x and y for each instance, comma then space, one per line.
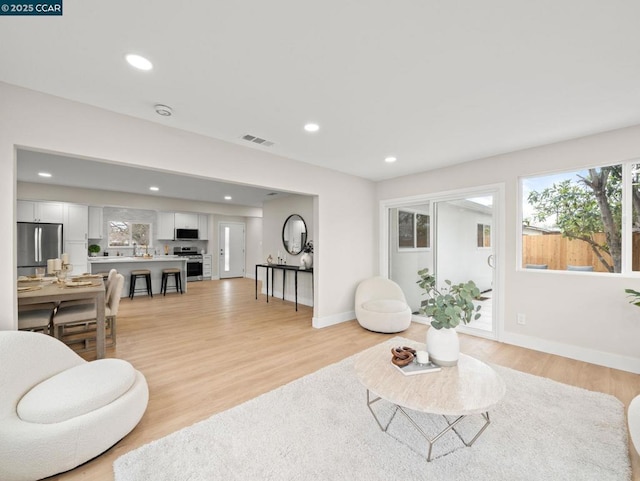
36, 317
71, 324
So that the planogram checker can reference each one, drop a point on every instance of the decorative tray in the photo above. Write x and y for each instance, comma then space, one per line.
415, 368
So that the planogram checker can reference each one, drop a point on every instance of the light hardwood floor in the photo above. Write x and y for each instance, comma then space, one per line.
193, 350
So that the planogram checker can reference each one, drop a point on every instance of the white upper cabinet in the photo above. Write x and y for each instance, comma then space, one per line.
203, 226
166, 225
76, 222
186, 221
30, 211
95, 223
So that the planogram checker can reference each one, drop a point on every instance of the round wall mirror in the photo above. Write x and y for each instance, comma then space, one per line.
294, 234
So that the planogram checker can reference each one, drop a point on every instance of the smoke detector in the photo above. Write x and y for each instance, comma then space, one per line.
163, 110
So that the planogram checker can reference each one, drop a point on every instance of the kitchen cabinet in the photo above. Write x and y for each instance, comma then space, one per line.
207, 266
203, 226
76, 222
166, 225
77, 250
186, 220
96, 227
31, 211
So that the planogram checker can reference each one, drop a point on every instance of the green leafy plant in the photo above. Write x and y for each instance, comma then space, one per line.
634, 295
448, 306
94, 248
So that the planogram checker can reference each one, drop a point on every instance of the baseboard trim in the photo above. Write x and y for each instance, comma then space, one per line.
326, 321
607, 359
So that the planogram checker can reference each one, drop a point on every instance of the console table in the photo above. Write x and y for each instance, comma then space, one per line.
284, 268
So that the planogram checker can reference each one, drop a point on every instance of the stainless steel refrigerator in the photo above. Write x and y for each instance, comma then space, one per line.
36, 244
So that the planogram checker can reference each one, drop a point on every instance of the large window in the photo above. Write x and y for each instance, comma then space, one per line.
574, 220
125, 234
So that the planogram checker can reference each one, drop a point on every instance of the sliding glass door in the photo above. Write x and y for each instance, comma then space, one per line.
464, 250
454, 236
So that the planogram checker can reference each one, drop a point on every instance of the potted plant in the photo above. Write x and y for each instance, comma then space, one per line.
94, 249
306, 260
447, 307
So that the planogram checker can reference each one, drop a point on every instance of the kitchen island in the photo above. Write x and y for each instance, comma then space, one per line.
124, 265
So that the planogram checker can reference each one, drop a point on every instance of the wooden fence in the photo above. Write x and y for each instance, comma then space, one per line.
558, 252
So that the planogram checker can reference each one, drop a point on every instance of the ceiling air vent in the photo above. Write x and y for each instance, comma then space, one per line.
257, 140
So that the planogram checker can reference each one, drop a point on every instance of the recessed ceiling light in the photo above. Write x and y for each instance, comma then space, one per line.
44, 174
227, 197
139, 62
154, 188
311, 127
390, 159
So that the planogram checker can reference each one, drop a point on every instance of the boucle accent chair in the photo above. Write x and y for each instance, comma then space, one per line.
381, 306
57, 410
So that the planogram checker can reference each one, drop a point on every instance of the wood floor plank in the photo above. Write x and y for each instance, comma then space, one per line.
216, 346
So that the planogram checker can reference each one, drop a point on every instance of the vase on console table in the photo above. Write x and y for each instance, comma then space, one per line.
306, 261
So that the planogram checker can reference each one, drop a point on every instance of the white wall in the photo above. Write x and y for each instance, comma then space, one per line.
459, 258
344, 208
578, 315
254, 245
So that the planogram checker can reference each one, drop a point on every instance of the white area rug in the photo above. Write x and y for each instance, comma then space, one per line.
319, 428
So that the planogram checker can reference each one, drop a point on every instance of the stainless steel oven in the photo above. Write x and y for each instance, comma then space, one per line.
194, 269
194, 262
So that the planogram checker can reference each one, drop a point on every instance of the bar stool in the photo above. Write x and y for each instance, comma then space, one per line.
175, 272
146, 274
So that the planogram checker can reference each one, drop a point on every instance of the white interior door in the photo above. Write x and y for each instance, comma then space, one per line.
231, 246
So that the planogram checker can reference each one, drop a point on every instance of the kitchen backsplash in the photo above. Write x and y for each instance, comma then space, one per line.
143, 217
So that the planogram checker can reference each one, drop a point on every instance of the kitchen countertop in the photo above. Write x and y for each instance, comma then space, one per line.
111, 259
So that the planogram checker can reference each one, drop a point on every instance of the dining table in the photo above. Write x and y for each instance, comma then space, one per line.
49, 290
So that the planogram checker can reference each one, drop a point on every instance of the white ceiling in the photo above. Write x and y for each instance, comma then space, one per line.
75, 172
430, 82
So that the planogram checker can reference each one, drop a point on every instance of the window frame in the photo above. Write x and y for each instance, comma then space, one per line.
626, 222
484, 235
415, 214
130, 225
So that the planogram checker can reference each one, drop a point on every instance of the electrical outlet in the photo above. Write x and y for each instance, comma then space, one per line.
522, 319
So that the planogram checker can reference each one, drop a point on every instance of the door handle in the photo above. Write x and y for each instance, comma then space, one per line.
490, 261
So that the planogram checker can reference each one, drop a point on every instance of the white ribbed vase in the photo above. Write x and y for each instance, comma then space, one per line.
306, 260
443, 346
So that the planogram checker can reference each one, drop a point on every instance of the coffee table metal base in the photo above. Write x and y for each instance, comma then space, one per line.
430, 440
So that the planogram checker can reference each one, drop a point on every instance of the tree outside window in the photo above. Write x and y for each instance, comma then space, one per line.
574, 220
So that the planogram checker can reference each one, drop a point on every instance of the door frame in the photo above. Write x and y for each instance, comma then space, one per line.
498, 191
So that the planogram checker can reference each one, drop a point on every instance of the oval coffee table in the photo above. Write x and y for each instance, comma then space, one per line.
471, 387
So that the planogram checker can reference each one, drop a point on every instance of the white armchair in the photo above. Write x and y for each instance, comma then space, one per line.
57, 410
381, 306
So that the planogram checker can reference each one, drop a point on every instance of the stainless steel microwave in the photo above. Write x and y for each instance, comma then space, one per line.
186, 234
